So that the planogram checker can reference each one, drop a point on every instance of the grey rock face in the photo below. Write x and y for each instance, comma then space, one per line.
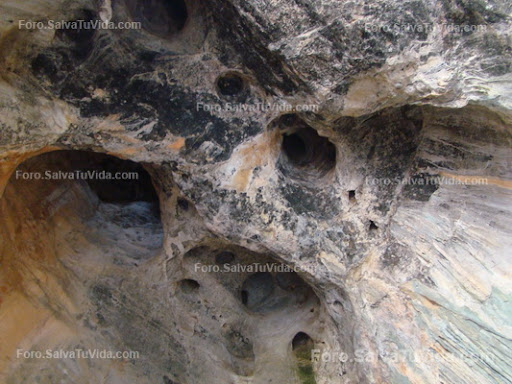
365, 146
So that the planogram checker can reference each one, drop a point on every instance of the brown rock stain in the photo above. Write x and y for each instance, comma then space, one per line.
177, 144
252, 155
13, 45
10, 161
125, 153
479, 180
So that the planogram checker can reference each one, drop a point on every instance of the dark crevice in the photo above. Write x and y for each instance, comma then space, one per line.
302, 345
189, 286
112, 179
163, 18
80, 40
295, 148
305, 155
115, 180
300, 340
183, 204
230, 84
245, 297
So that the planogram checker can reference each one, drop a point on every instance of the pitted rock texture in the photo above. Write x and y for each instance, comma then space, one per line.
392, 199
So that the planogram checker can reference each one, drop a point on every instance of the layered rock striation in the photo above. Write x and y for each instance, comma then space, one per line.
320, 191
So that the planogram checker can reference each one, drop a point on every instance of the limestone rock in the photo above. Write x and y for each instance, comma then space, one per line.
365, 146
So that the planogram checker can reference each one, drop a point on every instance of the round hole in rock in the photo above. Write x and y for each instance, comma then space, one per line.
256, 289
183, 204
302, 345
230, 84
295, 148
159, 17
112, 202
305, 155
300, 340
189, 286
352, 195
224, 258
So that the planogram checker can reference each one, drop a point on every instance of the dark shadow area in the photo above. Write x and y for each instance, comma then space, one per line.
230, 84
258, 288
81, 40
189, 286
305, 155
295, 148
112, 179
112, 201
159, 17
302, 345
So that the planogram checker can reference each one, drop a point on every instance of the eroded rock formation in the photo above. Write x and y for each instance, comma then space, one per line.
390, 199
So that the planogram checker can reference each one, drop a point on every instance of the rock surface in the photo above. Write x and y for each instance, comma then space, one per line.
390, 195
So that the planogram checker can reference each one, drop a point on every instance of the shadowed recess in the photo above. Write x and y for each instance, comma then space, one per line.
159, 17
230, 84
302, 345
305, 155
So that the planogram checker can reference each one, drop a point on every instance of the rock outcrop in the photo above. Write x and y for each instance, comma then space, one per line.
320, 191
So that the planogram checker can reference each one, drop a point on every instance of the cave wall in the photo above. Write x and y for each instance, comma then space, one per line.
394, 269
